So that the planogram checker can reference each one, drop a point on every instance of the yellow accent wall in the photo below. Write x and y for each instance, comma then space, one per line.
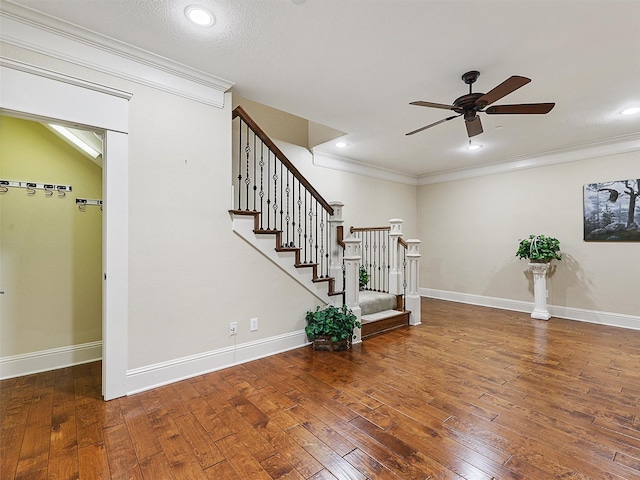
51, 260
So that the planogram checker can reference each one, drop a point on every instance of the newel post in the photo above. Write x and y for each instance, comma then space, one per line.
395, 274
335, 250
412, 299
352, 259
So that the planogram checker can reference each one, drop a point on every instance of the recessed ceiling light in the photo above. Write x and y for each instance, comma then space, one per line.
341, 144
474, 146
630, 111
200, 15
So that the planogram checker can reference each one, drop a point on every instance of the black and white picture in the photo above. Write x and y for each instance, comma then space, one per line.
611, 211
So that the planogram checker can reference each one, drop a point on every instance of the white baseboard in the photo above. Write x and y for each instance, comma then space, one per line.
44, 360
152, 376
570, 313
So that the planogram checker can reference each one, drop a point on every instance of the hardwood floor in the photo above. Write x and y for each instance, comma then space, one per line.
472, 393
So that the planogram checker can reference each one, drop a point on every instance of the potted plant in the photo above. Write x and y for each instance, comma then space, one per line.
539, 249
331, 327
363, 277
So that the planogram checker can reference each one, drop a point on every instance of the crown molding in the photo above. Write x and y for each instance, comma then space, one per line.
326, 160
40, 33
51, 75
612, 146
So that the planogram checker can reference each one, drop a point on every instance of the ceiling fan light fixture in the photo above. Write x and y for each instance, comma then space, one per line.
630, 111
200, 15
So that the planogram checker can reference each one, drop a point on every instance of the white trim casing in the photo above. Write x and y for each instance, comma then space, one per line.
115, 264
27, 89
613, 146
242, 226
36, 93
152, 376
342, 164
569, 313
51, 359
40, 33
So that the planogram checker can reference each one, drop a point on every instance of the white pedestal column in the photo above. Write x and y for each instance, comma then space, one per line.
352, 258
539, 271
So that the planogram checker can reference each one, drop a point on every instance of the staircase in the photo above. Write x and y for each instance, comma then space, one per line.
278, 212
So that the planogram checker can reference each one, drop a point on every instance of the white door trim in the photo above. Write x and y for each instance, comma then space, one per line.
31, 92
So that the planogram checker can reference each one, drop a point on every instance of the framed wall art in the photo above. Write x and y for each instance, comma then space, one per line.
612, 211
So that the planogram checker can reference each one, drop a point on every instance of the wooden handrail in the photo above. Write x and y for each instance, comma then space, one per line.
240, 112
402, 242
340, 236
369, 229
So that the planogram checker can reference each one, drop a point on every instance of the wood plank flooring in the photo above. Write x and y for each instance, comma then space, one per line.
472, 393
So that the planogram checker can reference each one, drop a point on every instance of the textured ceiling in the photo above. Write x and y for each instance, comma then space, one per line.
354, 65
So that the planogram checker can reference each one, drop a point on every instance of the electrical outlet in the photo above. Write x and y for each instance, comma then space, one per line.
254, 324
233, 328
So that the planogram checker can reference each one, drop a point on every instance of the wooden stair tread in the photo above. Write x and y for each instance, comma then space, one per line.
303, 265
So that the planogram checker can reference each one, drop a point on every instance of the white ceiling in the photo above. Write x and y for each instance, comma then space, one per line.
354, 65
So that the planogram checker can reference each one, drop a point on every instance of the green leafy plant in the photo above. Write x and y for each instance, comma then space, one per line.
539, 249
331, 321
363, 278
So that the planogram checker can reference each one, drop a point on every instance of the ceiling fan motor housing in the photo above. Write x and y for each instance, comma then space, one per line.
466, 103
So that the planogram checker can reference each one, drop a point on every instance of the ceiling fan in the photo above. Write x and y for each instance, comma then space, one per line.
473, 103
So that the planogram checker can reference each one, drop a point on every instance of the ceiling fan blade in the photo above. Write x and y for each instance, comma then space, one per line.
511, 84
474, 126
433, 124
523, 108
433, 105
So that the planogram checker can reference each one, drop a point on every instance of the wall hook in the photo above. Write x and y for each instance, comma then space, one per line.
61, 191
31, 188
48, 190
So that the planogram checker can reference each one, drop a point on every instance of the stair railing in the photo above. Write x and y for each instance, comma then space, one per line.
383, 257
269, 184
391, 262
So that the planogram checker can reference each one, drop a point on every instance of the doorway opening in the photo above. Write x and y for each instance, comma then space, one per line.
51, 246
35, 94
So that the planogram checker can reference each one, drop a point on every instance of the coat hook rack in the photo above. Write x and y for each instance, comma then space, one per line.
83, 202
31, 187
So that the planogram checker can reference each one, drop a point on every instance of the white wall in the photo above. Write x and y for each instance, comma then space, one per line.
189, 275
369, 201
471, 229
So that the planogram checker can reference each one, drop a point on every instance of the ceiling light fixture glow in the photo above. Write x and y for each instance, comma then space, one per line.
474, 146
200, 15
630, 111
341, 144
85, 147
